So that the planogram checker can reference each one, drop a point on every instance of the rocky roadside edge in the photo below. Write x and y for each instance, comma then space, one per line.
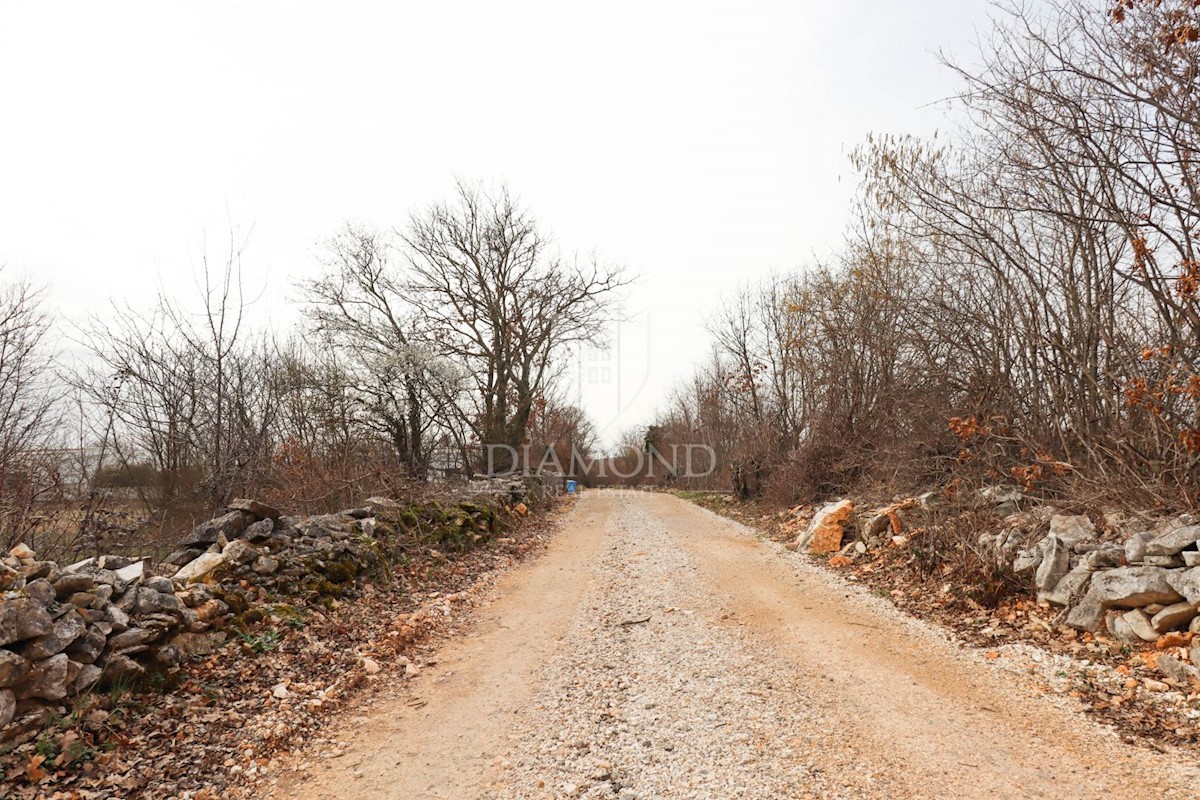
1136, 685
297, 619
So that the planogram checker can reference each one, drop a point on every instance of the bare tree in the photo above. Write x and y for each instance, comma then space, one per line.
29, 412
363, 305
494, 298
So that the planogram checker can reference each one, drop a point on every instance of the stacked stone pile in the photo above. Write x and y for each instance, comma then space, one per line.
65, 630
1139, 590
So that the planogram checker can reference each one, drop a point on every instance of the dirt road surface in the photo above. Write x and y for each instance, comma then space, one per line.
657, 650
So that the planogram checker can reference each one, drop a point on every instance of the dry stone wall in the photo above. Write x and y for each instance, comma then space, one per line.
99, 622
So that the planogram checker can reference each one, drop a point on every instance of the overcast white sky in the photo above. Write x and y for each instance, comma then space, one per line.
698, 143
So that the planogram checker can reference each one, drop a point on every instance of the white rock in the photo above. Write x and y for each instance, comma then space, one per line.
199, 567
1187, 583
1069, 587
280, 691
1135, 548
1054, 566
78, 565
1124, 587
1173, 541
1174, 616
371, 666
1139, 622
133, 572
1072, 529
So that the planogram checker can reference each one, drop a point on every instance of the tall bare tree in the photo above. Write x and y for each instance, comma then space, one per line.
493, 297
29, 413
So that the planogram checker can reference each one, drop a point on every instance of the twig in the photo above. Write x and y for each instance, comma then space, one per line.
629, 622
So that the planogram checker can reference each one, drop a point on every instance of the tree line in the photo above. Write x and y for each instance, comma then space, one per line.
421, 345
1017, 297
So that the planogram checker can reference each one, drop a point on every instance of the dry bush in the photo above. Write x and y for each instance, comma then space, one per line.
1017, 302
944, 549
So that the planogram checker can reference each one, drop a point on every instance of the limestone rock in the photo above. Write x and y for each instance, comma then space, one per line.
1186, 675
1139, 622
239, 551
12, 668
1173, 541
1120, 629
161, 585
824, 534
1069, 587
79, 566
1133, 587
150, 601
134, 637
1135, 548
197, 569
47, 679
229, 525
260, 531
65, 630
8, 706
1104, 557
260, 510
87, 648
89, 676
115, 563
1055, 564
22, 618
1174, 616
1072, 529
1187, 583
1124, 587
132, 573
117, 618
1029, 559
877, 525
183, 556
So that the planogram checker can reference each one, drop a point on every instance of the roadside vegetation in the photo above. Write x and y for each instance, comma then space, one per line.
1018, 301
422, 345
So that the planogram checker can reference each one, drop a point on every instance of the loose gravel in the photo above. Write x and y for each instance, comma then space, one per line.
659, 651
673, 706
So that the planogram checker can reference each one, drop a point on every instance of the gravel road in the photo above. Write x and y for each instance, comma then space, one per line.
659, 651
